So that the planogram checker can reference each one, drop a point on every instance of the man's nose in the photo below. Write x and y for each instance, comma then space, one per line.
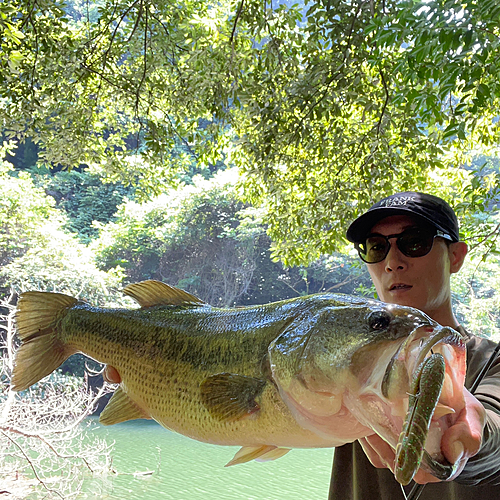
395, 259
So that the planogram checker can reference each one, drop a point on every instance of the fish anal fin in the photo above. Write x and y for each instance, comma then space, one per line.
230, 397
263, 453
273, 455
121, 408
154, 293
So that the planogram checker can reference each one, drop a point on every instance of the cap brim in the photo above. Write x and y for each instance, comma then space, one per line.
362, 225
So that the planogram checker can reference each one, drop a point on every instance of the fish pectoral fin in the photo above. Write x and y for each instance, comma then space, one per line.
155, 293
121, 408
262, 453
230, 397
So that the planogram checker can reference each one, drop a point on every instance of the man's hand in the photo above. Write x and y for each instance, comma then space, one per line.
459, 442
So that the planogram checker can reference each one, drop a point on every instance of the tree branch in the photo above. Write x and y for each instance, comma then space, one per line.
238, 14
32, 467
113, 36
386, 102
136, 24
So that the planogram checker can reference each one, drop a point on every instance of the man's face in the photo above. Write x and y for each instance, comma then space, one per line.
421, 282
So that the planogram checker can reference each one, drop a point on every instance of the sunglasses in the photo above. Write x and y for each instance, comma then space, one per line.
413, 242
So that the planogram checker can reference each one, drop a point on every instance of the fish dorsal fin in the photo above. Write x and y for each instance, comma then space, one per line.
121, 408
262, 453
229, 397
155, 293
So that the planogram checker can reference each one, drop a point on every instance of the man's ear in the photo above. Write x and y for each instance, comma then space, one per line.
457, 252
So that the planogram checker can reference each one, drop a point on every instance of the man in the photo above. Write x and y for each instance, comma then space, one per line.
410, 242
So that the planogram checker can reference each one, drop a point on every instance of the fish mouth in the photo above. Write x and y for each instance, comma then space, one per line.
441, 336
445, 336
417, 351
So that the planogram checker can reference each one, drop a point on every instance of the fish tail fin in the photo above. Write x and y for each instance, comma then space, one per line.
41, 351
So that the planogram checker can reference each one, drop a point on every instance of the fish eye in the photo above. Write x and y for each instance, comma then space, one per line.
379, 320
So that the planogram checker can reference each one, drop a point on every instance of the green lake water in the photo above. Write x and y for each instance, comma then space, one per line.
185, 469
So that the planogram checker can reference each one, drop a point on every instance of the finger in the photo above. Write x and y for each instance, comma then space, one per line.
463, 439
422, 477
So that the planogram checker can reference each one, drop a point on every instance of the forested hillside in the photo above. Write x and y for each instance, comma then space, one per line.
80, 235
70, 232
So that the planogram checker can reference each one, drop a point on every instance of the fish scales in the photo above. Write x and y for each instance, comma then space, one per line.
315, 371
163, 355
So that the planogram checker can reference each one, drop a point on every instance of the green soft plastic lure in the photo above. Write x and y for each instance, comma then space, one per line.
410, 452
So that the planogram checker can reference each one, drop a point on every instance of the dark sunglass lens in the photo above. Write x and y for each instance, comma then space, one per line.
376, 249
415, 243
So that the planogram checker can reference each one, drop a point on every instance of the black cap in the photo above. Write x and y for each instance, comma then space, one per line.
431, 209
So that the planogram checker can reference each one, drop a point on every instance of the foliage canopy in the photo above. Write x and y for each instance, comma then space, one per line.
324, 106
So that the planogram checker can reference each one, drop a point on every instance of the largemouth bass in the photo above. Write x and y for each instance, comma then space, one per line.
315, 371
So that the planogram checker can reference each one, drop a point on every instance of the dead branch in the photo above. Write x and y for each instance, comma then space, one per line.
42, 437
